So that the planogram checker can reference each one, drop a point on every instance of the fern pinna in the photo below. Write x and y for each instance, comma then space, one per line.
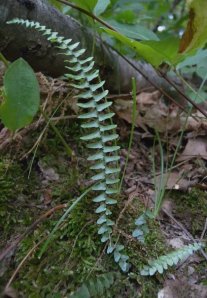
93, 99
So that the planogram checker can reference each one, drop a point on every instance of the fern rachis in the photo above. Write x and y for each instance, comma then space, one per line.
92, 98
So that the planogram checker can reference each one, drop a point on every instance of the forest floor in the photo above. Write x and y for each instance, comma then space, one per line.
38, 179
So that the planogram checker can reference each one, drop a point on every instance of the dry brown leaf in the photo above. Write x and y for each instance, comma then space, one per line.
182, 289
49, 174
174, 180
152, 111
195, 121
176, 242
195, 148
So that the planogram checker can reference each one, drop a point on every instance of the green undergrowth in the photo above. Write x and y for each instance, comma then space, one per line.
75, 254
15, 196
191, 209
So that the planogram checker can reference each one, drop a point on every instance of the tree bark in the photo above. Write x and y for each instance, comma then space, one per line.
17, 41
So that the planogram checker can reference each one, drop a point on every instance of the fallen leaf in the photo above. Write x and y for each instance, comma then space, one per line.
48, 173
152, 112
182, 289
195, 148
176, 242
173, 180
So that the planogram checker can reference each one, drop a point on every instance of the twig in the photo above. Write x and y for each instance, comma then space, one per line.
86, 12
14, 245
22, 263
33, 126
184, 230
4, 60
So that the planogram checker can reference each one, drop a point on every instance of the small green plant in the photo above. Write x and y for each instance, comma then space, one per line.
101, 135
96, 287
170, 259
141, 230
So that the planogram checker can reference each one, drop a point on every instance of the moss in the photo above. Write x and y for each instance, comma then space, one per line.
14, 197
191, 209
68, 260
75, 253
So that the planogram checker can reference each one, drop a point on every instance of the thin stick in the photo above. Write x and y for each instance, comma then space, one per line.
184, 230
91, 15
3, 59
13, 246
22, 263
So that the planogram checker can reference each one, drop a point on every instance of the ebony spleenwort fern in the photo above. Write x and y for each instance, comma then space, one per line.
96, 287
93, 99
162, 263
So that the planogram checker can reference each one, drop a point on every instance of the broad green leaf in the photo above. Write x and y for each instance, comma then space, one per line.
100, 7
22, 95
135, 31
199, 58
126, 17
87, 5
154, 52
195, 35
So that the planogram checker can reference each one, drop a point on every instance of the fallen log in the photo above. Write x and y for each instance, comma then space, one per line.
17, 41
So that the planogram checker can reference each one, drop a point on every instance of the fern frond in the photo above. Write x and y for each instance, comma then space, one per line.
170, 259
96, 287
142, 229
92, 98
